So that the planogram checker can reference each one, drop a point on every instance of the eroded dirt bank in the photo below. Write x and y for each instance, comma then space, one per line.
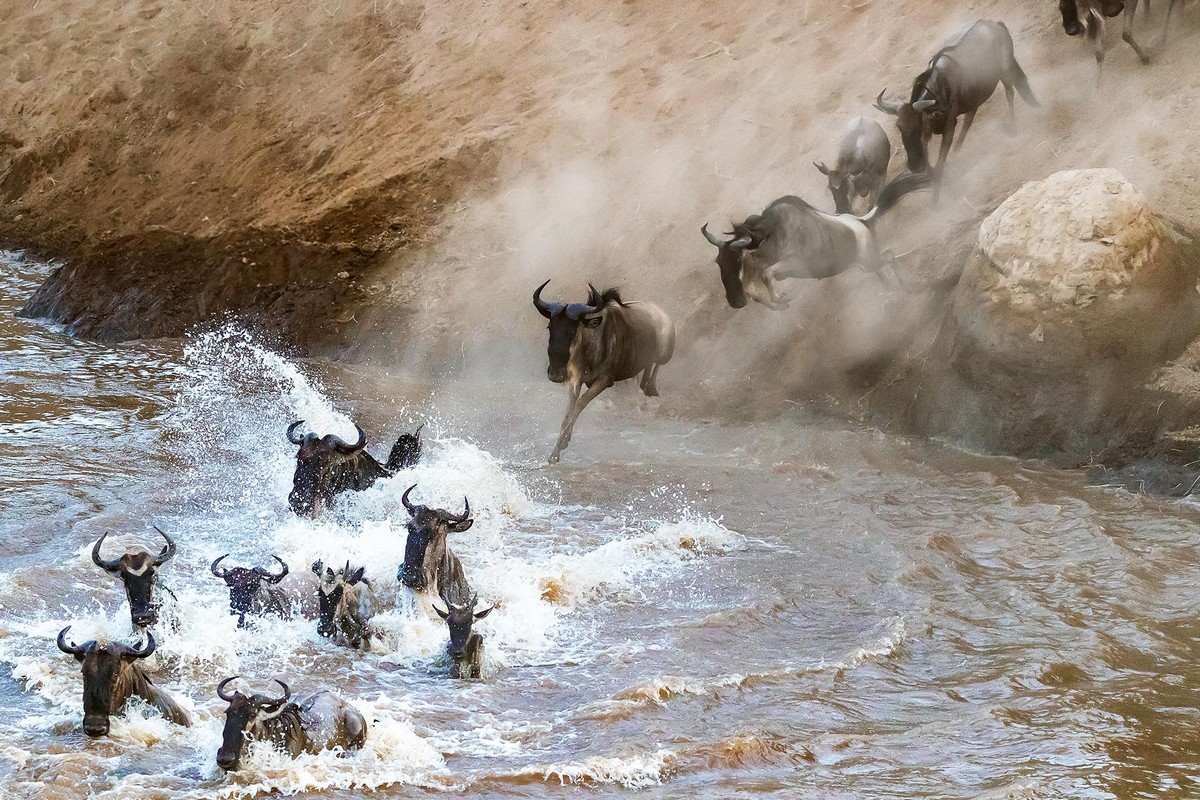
390, 180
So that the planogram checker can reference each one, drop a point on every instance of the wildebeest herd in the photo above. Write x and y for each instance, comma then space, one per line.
592, 345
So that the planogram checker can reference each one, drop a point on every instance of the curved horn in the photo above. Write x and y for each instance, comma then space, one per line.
467, 513
69, 649
149, 647
221, 688
167, 552
404, 499
740, 243
888, 106
924, 105
351, 449
291, 432
110, 566
220, 573
541, 305
820, 165
713, 240
287, 694
271, 576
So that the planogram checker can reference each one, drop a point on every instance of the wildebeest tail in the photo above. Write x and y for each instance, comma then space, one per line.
893, 191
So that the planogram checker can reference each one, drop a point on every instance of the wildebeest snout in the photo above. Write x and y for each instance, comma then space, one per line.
95, 726
556, 373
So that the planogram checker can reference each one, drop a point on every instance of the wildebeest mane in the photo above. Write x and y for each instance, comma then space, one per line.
758, 226
610, 295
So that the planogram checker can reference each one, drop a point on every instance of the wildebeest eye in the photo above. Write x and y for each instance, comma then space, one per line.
593, 322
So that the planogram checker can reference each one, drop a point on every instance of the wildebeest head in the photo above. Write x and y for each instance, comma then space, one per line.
107, 681
426, 525
244, 714
244, 583
139, 572
917, 120
333, 597
839, 185
748, 235
1070, 15
564, 322
318, 464
459, 619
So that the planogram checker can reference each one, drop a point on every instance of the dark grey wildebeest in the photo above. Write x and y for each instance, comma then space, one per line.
861, 167
327, 466
465, 647
139, 573
429, 564
321, 721
1089, 15
791, 239
601, 342
111, 675
347, 603
960, 79
253, 590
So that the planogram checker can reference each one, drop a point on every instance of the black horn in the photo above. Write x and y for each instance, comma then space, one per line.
547, 310
287, 695
110, 566
168, 552
467, 513
404, 499
291, 432
222, 572
146, 650
351, 449
740, 243
273, 578
69, 649
713, 240
888, 106
221, 688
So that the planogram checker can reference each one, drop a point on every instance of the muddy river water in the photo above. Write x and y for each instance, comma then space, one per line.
688, 608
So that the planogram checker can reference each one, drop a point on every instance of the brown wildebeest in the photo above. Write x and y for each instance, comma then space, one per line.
321, 721
601, 342
791, 239
960, 79
111, 675
139, 573
327, 466
465, 647
429, 565
347, 604
254, 590
861, 167
1078, 15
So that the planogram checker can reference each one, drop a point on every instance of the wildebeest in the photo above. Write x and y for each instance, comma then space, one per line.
253, 590
1078, 15
602, 342
139, 572
347, 603
327, 465
111, 675
321, 721
861, 167
429, 565
791, 239
960, 79
466, 647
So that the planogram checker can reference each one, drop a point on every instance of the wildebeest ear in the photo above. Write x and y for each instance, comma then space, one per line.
440, 613
820, 165
484, 613
356, 576
459, 527
924, 105
317, 566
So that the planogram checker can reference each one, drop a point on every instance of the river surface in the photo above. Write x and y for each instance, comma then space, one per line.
686, 608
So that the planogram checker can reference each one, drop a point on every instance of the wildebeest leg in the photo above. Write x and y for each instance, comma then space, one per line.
970, 117
572, 399
577, 408
1127, 34
648, 381
1167, 22
947, 142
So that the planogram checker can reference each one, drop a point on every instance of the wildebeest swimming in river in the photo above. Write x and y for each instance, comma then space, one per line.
321, 721
861, 167
960, 79
1078, 15
601, 342
111, 675
139, 573
327, 465
347, 603
791, 239
253, 590
465, 647
429, 565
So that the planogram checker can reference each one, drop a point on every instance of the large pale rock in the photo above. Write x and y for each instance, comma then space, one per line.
1076, 292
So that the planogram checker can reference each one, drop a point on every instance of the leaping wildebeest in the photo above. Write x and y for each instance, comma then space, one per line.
254, 590
960, 79
111, 675
139, 573
321, 721
599, 343
465, 647
328, 465
429, 564
791, 239
347, 603
1080, 15
861, 167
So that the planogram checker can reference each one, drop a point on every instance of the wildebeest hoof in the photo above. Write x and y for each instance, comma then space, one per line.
650, 391
553, 458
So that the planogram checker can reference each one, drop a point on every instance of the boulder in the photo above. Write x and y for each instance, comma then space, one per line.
1074, 295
